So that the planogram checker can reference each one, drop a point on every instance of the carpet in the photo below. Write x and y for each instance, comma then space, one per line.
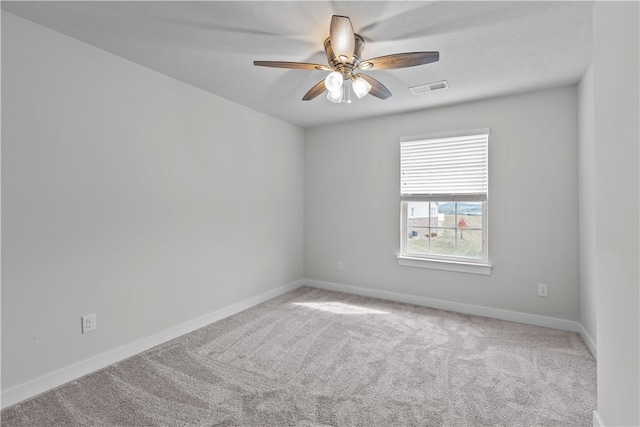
313, 358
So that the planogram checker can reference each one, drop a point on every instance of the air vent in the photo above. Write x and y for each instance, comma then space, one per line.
429, 87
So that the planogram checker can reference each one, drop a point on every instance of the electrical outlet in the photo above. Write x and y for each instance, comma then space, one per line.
340, 266
543, 290
89, 323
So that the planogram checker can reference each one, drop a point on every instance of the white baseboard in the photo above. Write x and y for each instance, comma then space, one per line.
77, 370
478, 310
589, 342
597, 421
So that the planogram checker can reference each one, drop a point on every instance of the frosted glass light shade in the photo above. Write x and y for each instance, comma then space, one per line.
333, 81
361, 87
335, 96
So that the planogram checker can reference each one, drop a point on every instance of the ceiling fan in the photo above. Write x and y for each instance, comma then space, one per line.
344, 49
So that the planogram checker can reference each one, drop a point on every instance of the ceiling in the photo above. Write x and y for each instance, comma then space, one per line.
487, 49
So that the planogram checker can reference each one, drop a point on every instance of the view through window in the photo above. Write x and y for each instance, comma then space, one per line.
445, 228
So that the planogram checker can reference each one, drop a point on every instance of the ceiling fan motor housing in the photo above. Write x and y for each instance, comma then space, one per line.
345, 67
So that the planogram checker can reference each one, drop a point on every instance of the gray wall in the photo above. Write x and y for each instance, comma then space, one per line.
587, 207
149, 202
352, 203
617, 199
128, 194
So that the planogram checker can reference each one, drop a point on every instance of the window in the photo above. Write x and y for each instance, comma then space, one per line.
444, 200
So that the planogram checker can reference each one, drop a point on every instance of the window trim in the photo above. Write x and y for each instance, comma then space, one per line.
449, 263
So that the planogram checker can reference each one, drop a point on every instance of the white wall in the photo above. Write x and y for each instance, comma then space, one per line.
587, 205
131, 195
616, 73
352, 203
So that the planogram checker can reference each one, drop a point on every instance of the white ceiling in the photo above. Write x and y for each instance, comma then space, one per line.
487, 49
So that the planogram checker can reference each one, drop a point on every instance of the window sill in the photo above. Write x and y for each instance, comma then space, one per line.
461, 267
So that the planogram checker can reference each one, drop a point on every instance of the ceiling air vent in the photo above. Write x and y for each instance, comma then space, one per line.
429, 87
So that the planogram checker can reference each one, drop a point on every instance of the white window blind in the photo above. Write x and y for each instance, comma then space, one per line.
451, 168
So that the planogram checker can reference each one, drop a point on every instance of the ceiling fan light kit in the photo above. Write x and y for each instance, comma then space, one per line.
344, 49
335, 96
333, 81
338, 87
361, 87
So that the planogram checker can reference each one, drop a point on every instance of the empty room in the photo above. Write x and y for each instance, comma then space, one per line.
312, 213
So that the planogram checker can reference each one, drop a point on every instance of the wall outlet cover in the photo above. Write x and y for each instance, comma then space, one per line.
89, 323
543, 290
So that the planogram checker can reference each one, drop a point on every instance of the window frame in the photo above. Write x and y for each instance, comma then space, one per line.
445, 262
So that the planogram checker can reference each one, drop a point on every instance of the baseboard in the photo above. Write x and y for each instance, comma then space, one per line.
589, 342
495, 313
597, 421
77, 370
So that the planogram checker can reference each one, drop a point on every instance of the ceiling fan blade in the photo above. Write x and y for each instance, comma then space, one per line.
294, 65
314, 91
399, 60
342, 36
377, 89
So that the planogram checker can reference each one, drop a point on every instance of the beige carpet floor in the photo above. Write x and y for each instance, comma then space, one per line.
313, 357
